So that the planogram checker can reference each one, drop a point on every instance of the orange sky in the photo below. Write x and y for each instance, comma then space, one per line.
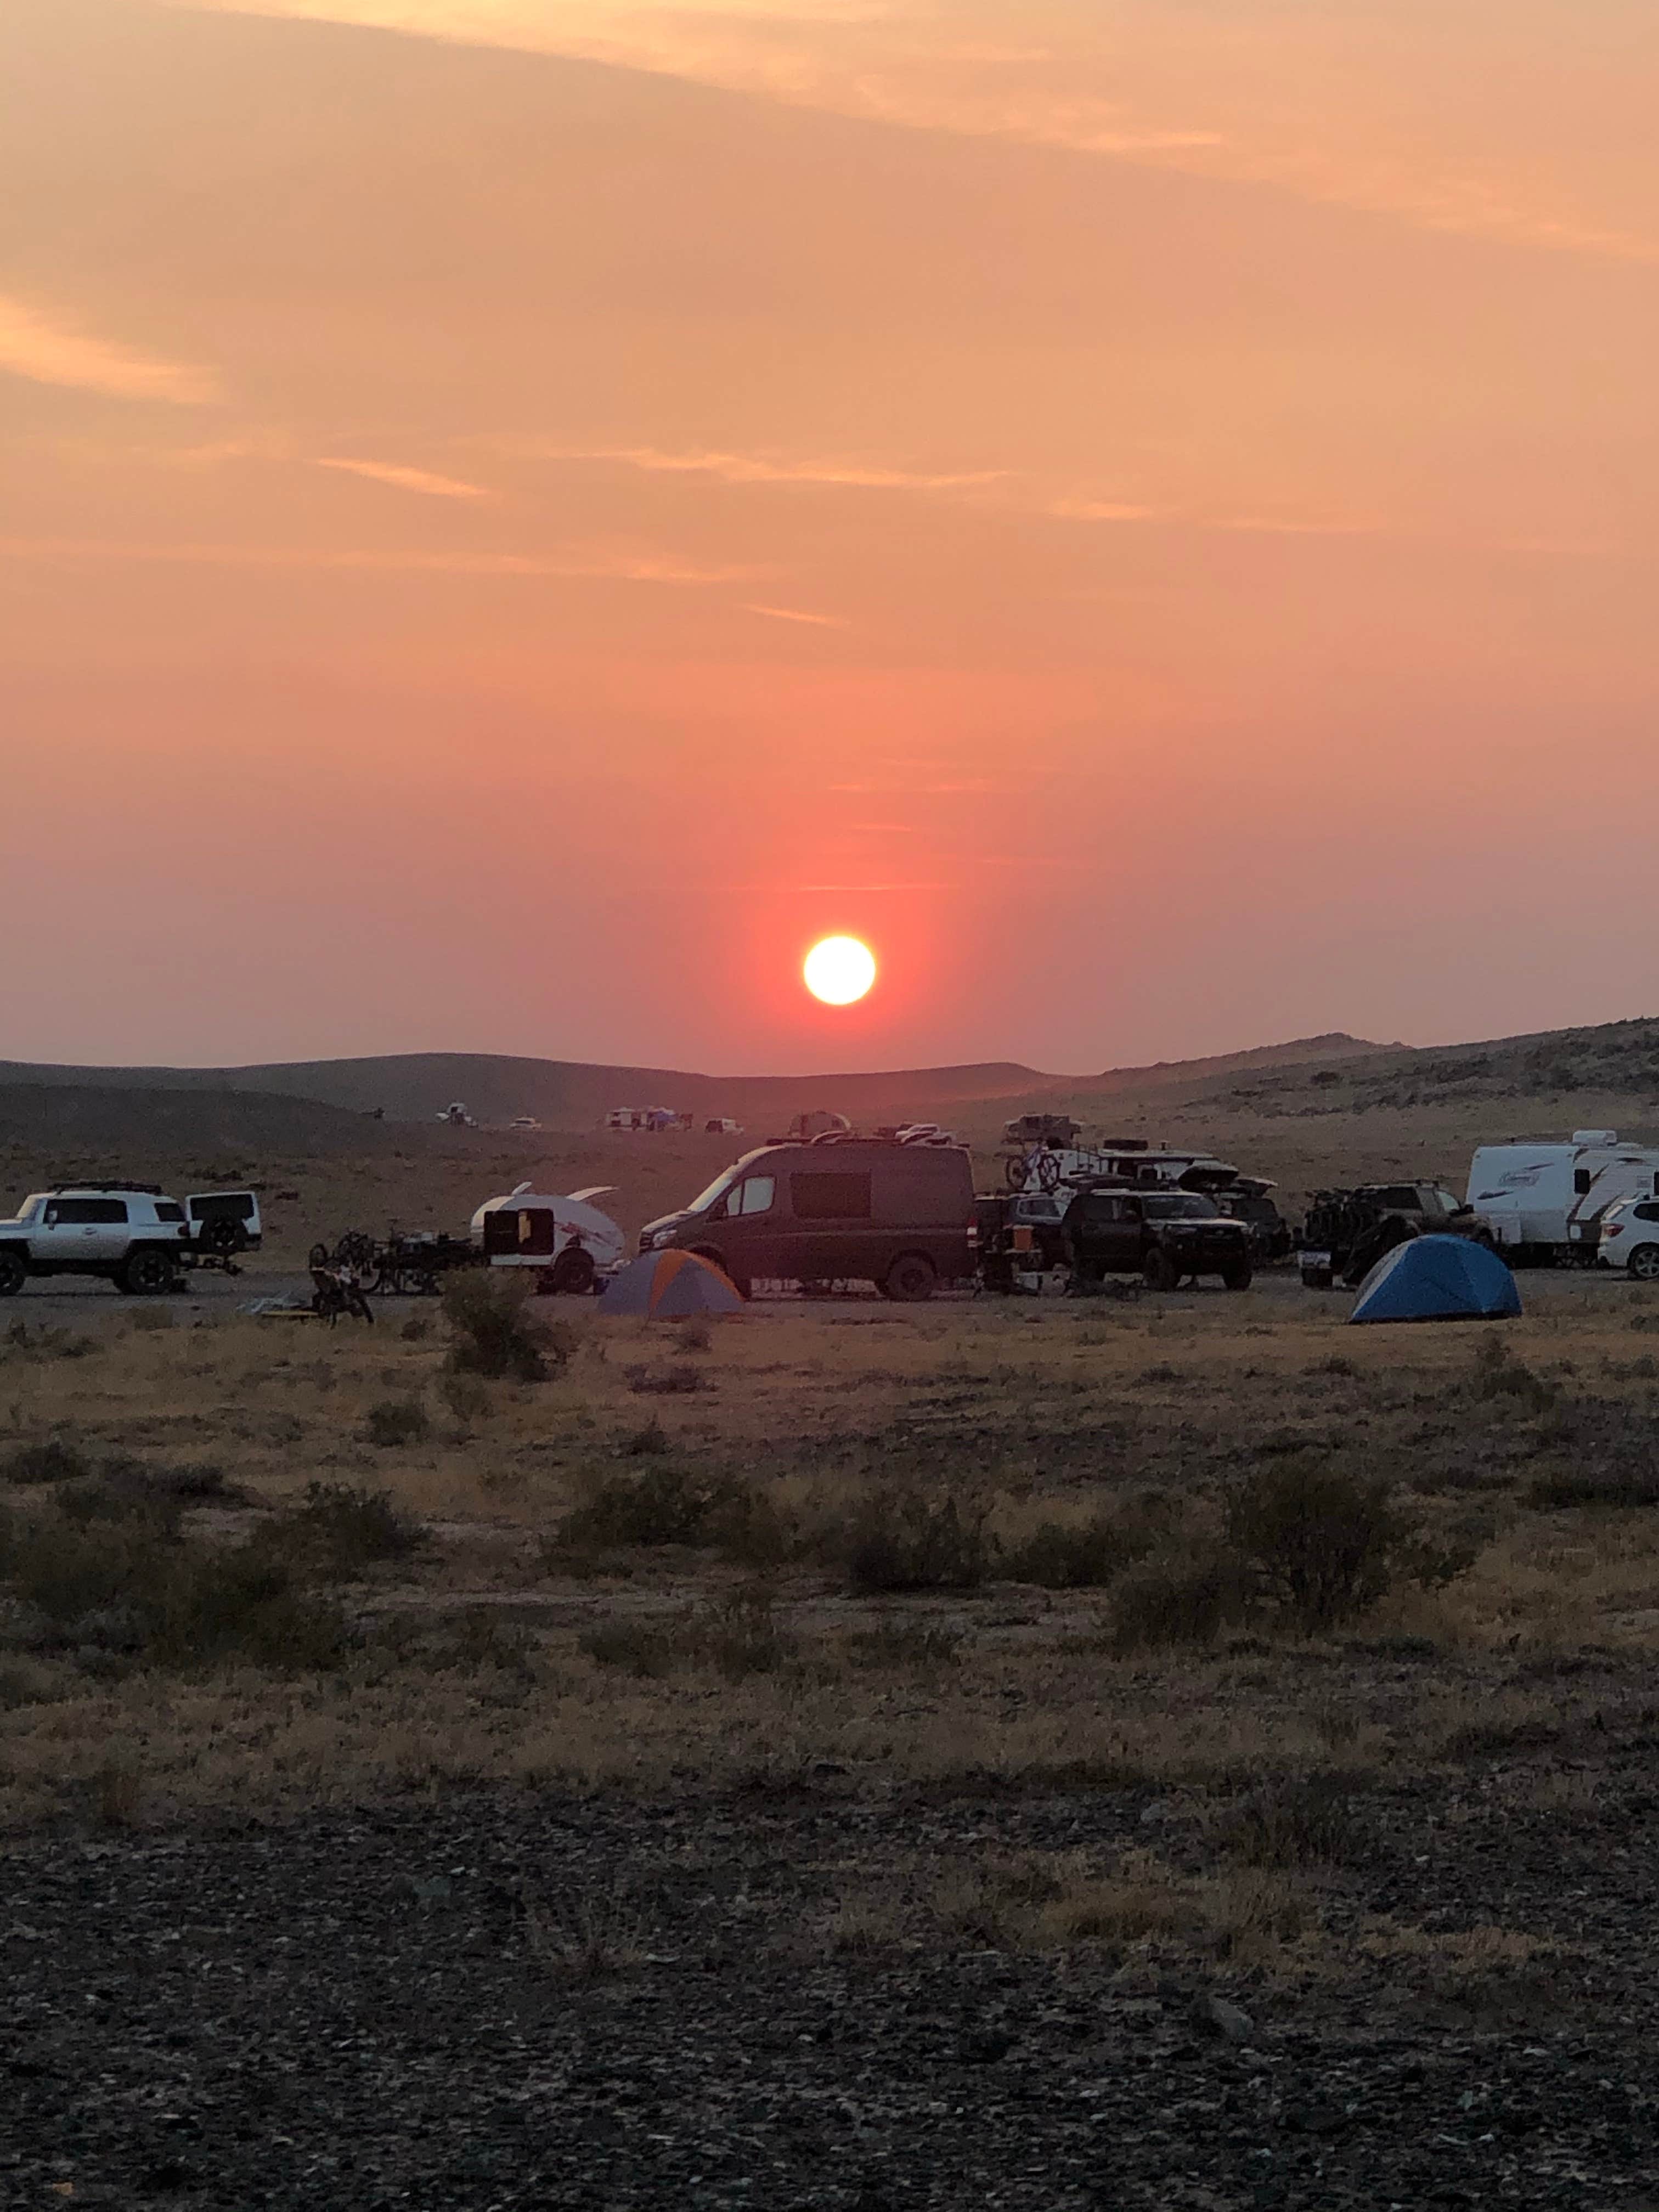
519, 514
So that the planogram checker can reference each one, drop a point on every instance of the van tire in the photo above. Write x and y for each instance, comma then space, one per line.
740, 1284
1643, 1263
1160, 1271
14, 1273
912, 1278
148, 1272
1238, 1278
571, 1274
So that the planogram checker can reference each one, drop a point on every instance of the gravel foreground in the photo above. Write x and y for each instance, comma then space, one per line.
513, 2000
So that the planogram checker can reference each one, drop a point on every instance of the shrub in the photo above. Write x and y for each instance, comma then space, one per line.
1605, 1486
417, 1328
465, 1395
52, 1462
1325, 1545
1077, 1555
739, 1634
1301, 1821
911, 1539
339, 1530
492, 1332
645, 1443
1188, 1598
678, 1381
396, 1421
905, 1645
1497, 1374
637, 1647
664, 1505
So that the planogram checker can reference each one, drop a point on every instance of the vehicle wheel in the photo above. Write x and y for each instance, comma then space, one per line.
572, 1275
1237, 1279
1049, 1171
911, 1278
146, 1274
1643, 1263
1318, 1279
13, 1274
1160, 1270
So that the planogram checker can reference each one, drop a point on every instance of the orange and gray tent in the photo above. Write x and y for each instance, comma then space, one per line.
669, 1285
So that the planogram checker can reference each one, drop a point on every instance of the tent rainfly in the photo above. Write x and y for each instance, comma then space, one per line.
1437, 1278
669, 1287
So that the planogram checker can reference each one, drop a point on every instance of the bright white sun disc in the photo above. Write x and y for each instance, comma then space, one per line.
839, 969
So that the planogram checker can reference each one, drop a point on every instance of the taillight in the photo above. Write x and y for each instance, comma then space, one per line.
1613, 1229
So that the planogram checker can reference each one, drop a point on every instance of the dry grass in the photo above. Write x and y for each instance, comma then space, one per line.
1091, 1449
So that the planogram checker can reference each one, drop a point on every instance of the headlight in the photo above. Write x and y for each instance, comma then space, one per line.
662, 1237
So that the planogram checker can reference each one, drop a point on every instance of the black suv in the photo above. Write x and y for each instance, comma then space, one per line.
1167, 1236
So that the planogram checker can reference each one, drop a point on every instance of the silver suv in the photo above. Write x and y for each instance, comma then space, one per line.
129, 1232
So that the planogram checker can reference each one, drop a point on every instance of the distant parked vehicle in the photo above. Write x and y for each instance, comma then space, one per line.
720, 1125
856, 1210
455, 1116
131, 1234
1544, 1204
526, 1124
1630, 1237
566, 1242
652, 1118
1168, 1237
822, 1121
1347, 1231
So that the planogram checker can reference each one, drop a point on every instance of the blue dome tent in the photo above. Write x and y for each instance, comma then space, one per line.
1437, 1278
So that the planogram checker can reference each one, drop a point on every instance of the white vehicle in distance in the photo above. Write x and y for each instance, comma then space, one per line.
526, 1124
131, 1234
721, 1125
567, 1242
1630, 1237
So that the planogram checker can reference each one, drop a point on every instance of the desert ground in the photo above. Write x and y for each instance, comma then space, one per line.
1042, 1753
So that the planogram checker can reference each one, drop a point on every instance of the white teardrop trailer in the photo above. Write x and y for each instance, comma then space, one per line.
567, 1242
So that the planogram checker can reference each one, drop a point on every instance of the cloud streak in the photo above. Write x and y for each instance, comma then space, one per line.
770, 469
35, 346
798, 615
405, 479
595, 565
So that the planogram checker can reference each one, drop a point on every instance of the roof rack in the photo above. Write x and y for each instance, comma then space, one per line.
139, 1189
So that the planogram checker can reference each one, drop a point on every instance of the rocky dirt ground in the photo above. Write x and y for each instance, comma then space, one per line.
530, 1999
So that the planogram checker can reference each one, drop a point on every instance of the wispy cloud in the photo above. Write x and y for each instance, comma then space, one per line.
798, 615
34, 345
1103, 510
596, 564
771, 469
405, 479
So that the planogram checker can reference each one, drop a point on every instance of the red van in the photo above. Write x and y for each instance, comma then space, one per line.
848, 1209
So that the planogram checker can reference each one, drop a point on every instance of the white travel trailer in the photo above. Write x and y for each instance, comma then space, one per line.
567, 1240
1543, 1203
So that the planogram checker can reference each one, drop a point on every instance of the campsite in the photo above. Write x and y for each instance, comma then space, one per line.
761, 1735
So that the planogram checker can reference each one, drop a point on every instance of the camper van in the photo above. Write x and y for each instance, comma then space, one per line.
565, 1241
1542, 1204
852, 1209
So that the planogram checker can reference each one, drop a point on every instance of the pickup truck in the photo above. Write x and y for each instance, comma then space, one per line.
1167, 1236
130, 1233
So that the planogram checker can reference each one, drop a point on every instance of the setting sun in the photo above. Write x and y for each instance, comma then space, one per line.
839, 969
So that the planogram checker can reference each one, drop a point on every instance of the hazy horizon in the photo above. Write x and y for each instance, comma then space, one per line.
521, 515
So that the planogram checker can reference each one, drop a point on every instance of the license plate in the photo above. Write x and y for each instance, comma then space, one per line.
1313, 1259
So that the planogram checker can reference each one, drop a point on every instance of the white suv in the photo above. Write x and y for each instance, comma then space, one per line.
129, 1232
1630, 1237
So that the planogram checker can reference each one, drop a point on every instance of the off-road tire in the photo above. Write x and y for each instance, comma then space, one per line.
1237, 1279
148, 1272
1318, 1279
14, 1273
911, 1278
1160, 1270
571, 1275
1643, 1263
740, 1284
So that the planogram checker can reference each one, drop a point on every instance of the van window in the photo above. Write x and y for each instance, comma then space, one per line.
223, 1205
753, 1196
830, 1197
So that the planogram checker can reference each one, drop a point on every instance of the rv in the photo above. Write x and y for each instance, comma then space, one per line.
1541, 1204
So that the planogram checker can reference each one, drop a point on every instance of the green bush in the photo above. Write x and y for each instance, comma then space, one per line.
52, 1462
339, 1530
913, 1540
1188, 1598
492, 1332
1324, 1545
1077, 1555
395, 1421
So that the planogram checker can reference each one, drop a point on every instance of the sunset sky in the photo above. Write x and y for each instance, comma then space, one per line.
520, 514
